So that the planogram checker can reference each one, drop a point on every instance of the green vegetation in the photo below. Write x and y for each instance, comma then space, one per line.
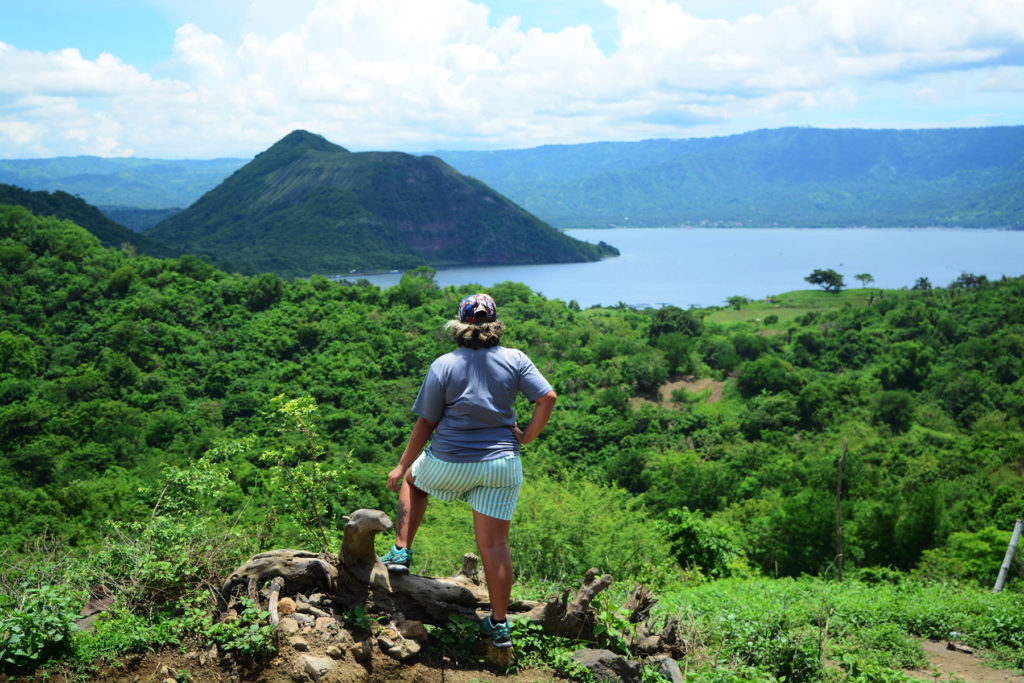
160, 419
62, 205
827, 279
804, 177
306, 206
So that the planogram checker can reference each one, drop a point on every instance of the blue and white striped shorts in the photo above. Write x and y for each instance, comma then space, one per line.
491, 487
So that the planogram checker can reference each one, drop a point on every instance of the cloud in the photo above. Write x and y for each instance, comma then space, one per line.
428, 74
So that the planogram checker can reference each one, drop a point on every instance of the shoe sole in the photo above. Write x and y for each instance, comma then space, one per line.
397, 568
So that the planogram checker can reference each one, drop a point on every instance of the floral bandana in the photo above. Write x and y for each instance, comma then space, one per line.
478, 308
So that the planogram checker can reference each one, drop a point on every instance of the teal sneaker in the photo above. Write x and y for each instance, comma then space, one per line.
397, 560
498, 633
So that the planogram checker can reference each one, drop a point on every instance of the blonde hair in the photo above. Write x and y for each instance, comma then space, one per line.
475, 335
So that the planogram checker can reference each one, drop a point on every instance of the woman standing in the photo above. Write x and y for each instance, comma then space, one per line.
467, 397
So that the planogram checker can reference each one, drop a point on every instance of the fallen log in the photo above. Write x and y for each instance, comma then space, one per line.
355, 578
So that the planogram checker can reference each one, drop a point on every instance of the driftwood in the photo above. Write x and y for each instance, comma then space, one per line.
355, 578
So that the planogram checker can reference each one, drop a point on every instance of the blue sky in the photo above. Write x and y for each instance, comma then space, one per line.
207, 78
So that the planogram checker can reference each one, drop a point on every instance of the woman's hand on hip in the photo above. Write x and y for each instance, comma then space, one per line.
518, 433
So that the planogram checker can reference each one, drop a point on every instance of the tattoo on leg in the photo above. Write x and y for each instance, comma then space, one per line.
400, 517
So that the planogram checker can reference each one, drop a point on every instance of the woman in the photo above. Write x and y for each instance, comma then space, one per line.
467, 397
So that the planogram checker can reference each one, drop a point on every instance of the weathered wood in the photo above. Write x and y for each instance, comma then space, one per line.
357, 559
470, 568
299, 569
357, 578
275, 592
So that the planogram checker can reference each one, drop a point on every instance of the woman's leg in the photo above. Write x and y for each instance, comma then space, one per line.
412, 504
492, 542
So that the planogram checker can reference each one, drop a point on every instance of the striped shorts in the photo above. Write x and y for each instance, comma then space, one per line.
491, 487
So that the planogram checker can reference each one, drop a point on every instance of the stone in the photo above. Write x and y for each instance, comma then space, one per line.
500, 656
608, 666
667, 667
344, 637
410, 628
404, 650
317, 667
303, 618
288, 626
306, 608
299, 644
362, 650
335, 652
324, 623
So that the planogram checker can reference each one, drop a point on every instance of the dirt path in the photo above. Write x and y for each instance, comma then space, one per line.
953, 665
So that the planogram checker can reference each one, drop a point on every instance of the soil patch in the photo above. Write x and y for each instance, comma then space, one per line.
693, 386
956, 665
287, 666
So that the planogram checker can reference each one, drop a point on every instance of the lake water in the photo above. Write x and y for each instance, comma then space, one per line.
704, 266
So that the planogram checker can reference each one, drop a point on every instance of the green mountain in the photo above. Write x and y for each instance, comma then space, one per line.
972, 177
308, 206
65, 206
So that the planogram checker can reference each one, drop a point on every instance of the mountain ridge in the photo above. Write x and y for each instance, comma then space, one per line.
962, 177
62, 205
965, 177
308, 206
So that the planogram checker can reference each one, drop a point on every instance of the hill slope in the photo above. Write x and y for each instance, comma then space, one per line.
64, 206
792, 176
308, 206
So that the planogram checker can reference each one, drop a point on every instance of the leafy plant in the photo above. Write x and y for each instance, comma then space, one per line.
297, 470
459, 638
611, 627
38, 626
539, 649
249, 635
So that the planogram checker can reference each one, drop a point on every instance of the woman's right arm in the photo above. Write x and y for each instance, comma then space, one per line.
417, 440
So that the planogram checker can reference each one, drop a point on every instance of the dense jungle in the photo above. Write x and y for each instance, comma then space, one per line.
162, 420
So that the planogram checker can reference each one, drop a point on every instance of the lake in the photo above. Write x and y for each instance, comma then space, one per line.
704, 266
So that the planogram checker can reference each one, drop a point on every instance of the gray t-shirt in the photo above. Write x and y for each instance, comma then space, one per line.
470, 394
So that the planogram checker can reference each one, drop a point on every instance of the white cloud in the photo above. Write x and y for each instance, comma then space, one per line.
423, 74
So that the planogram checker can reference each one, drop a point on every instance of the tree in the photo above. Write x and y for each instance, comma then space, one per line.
827, 279
865, 279
737, 302
923, 284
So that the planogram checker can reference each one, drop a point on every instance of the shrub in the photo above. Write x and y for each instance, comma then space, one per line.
697, 543
37, 627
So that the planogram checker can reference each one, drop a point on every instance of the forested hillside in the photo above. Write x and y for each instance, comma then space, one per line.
62, 205
307, 206
115, 365
964, 177
164, 400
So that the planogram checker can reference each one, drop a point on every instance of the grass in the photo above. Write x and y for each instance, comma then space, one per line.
791, 305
